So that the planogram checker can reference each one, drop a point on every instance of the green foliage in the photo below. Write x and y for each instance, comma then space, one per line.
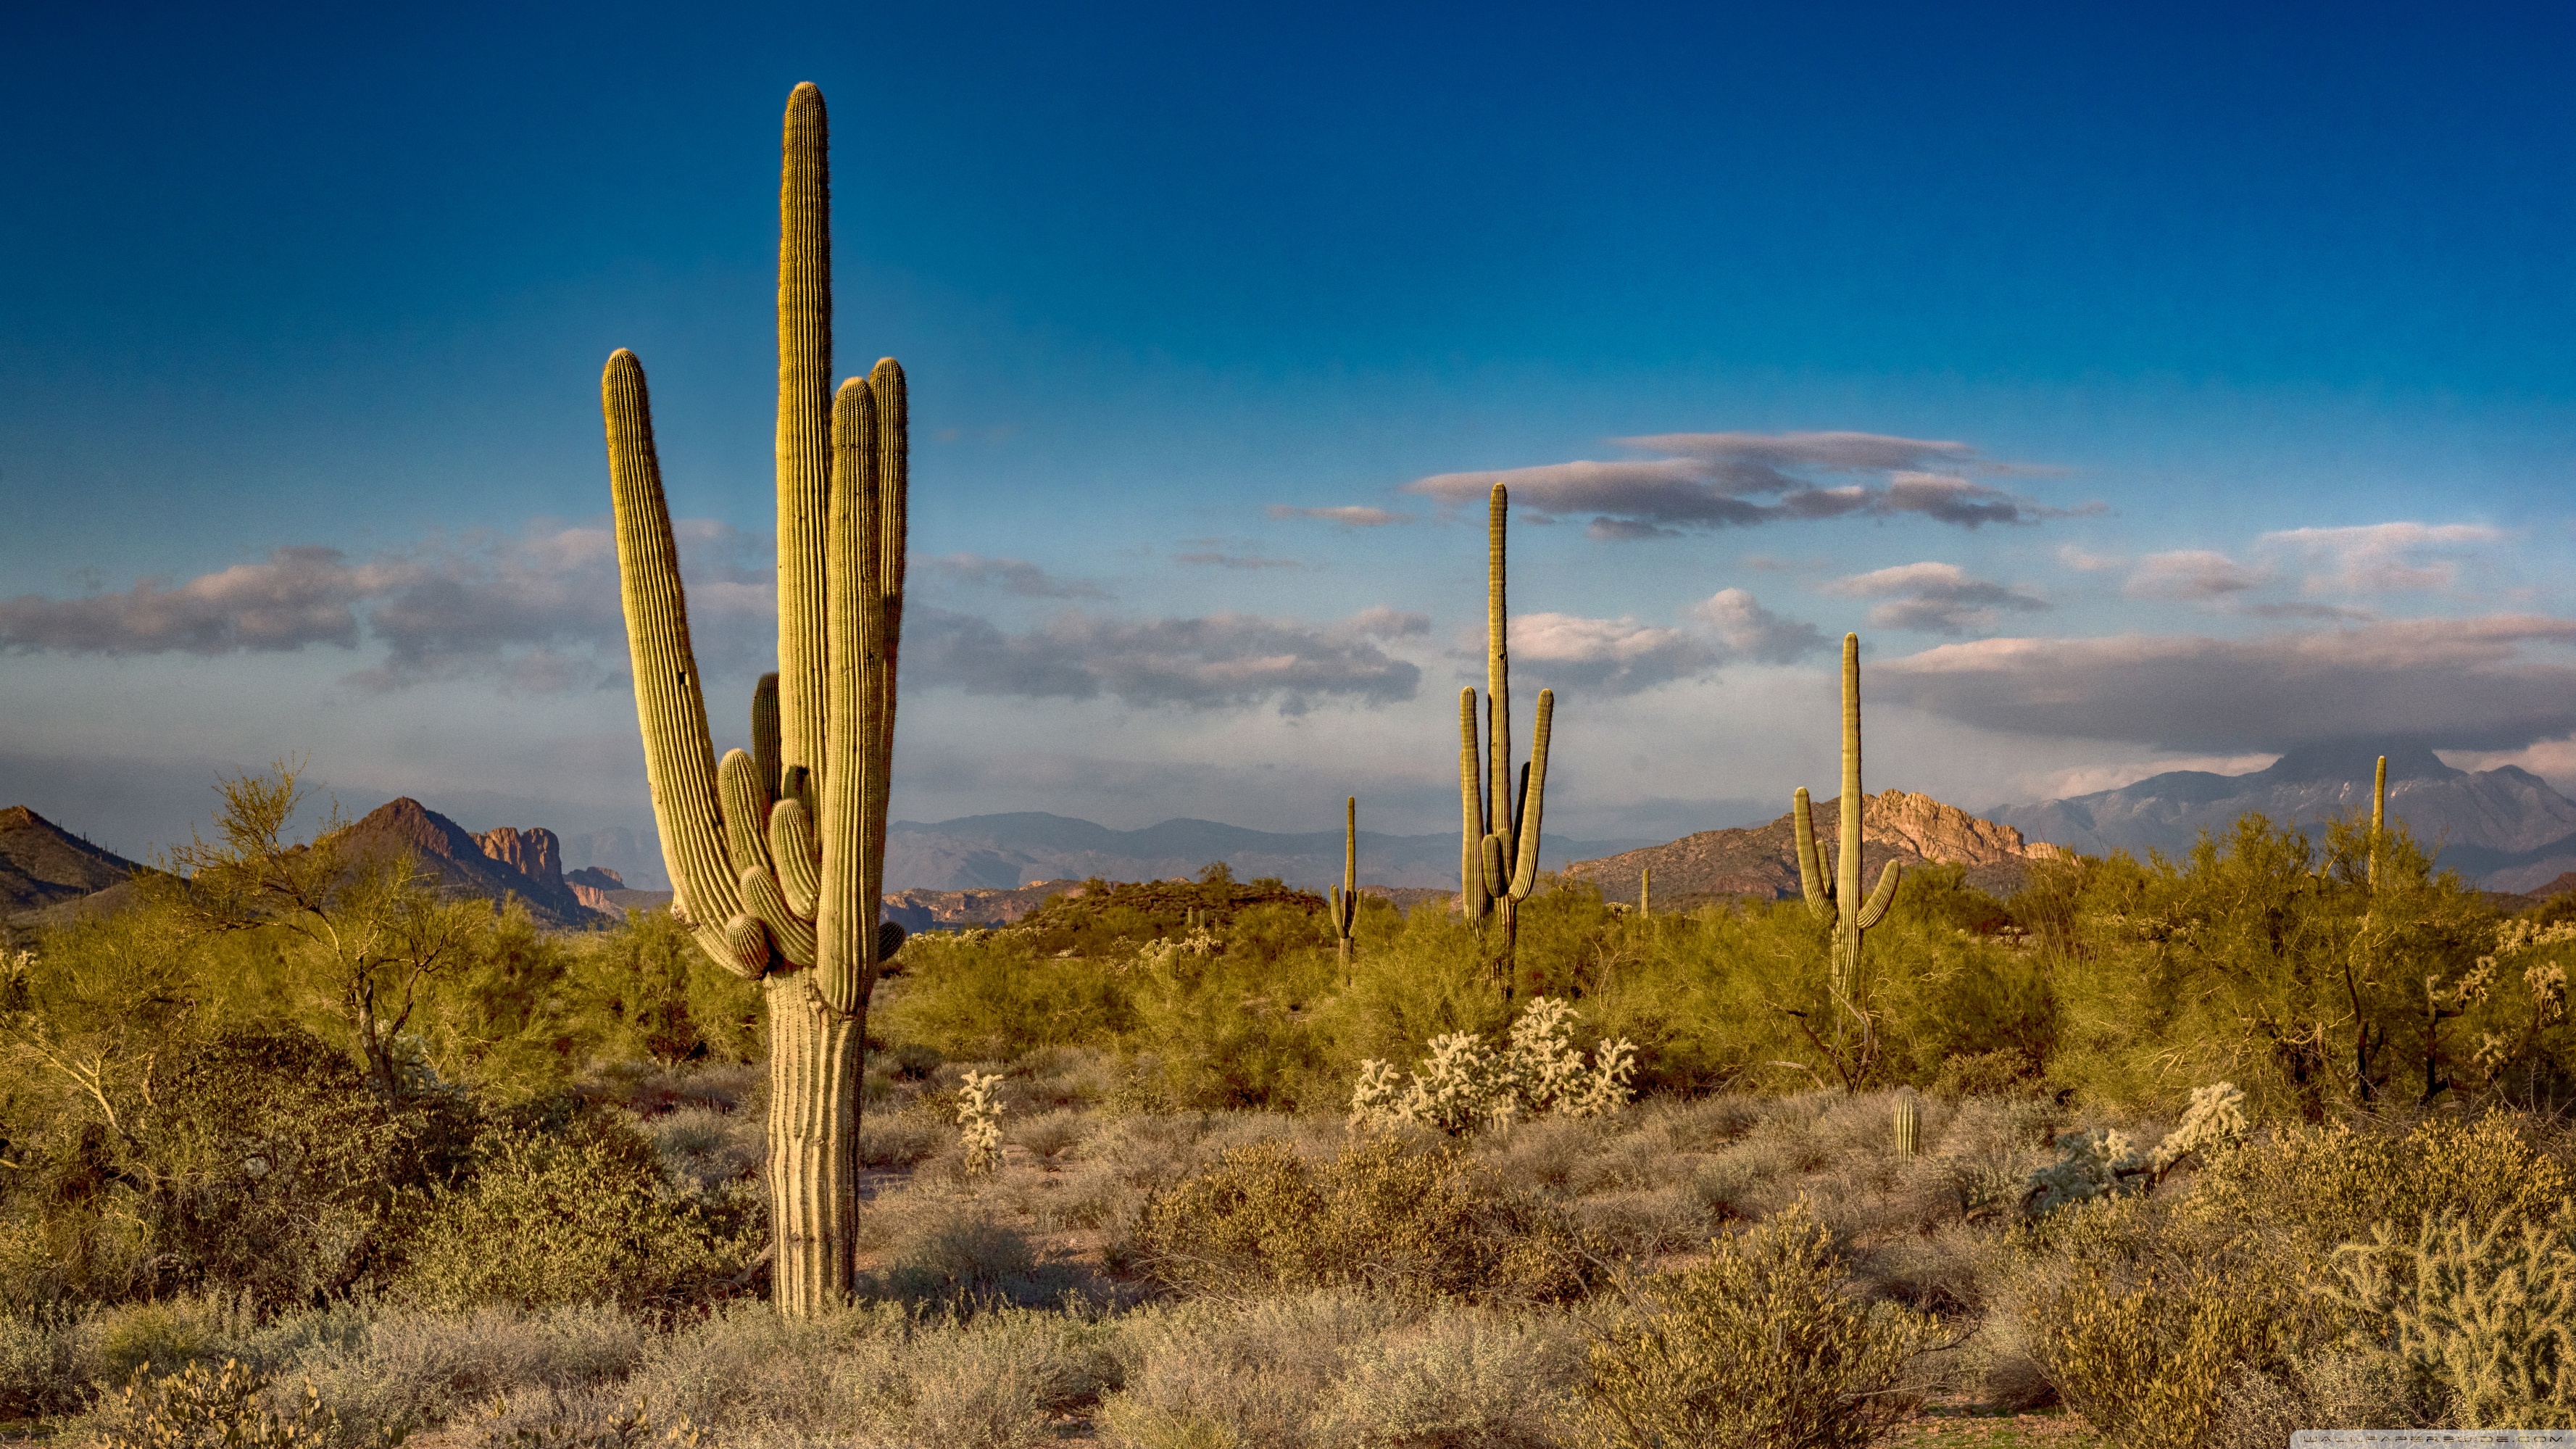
580, 1214
1763, 1345
640, 994
1386, 1215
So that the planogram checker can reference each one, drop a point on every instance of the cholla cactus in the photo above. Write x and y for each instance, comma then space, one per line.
2483, 1313
979, 1123
2103, 1162
1465, 1084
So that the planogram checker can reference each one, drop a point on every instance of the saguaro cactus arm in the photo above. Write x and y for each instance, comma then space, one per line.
1473, 897
1533, 800
2378, 816
679, 759
1812, 880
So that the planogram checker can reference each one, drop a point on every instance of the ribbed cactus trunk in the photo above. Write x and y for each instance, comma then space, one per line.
777, 854
1346, 897
2378, 817
1839, 899
1498, 833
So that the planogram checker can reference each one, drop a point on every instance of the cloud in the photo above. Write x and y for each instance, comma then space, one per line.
1235, 561
1739, 480
1010, 575
2193, 575
1348, 515
1934, 598
1613, 656
1754, 632
537, 610
2380, 558
2085, 561
1219, 661
2464, 683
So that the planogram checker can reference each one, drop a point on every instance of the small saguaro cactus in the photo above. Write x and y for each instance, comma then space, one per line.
777, 855
1346, 896
1499, 832
2378, 817
1909, 1127
1838, 898
1645, 893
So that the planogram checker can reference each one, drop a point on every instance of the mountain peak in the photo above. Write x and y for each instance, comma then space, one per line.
41, 863
2343, 760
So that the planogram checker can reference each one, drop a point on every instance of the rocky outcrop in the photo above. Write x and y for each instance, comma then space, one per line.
597, 877
535, 853
1762, 861
929, 910
463, 864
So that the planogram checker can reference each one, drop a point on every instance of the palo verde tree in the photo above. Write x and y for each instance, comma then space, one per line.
1498, 854
367, 933
777, 856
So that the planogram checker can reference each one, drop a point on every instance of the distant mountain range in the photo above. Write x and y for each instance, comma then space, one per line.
1762, 861
1006, 851
2504, 829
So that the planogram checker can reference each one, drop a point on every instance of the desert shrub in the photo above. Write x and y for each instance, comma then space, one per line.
1386, 1215
1761, 1345
1223, 1019
226, 1408
1460, 1379
1201, 1373
643, 992
576, 1215
2312, 1188
996, 996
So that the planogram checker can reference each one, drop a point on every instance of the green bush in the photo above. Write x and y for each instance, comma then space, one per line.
1386, 1215
578, 1215
1760, 1346
200, 1407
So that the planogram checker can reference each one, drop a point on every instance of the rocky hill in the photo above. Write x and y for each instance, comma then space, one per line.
42, 864
1762, 861
494, 865
2506, 828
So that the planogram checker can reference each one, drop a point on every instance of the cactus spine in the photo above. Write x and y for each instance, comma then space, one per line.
1346, 896
777, 855
1498, 859
2378, 817
1909, 1127
1839, 898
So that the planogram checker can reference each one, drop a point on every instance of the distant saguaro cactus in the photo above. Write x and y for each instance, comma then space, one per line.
1645, 893
1909, 1127
777, 856
1346, 896
1499, 832
1839, 897
2378, 817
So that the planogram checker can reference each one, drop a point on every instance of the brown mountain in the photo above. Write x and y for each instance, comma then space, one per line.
1763, 861
42, 864
469, 865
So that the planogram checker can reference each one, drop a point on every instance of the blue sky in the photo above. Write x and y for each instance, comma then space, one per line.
2145, 387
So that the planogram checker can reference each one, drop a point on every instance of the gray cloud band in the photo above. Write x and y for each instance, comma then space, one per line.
1741, 480
2455, 683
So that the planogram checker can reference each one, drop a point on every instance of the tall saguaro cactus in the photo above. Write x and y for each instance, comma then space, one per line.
1499, 830
2378, 817
777, 855
1838, 899
1346, 896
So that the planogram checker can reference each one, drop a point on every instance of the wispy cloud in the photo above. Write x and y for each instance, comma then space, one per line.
1217, 661
2381, 558
2194, 575
1215, 560
1010, 575
1935, 598
1736, 480
1348, 515
2480, 683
